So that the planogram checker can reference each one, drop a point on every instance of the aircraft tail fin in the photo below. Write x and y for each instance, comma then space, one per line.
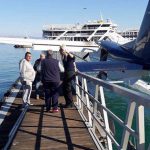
142, 44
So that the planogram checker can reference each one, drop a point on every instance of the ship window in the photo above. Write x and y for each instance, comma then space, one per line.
101, 32
105, 25
91, 26
84, 27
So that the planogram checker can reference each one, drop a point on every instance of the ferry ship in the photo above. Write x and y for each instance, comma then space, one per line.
90, 31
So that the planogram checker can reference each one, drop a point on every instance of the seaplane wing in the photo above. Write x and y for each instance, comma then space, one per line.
42, 44
113, 70
106, 66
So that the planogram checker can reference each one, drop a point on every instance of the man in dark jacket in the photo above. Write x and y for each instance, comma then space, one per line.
51, 81
37, 68
69, 74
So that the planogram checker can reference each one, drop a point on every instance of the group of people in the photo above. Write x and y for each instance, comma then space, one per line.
46, 72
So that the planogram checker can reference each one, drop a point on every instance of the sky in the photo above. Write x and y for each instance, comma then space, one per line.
27, 17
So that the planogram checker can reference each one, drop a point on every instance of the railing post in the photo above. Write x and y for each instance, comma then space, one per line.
105, 117
128, 122
88, 103
82, 96
95, 107
78, 93
140, 127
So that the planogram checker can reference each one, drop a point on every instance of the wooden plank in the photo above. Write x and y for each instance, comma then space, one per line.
44, 130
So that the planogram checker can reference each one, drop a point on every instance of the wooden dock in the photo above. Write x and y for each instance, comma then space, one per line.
44, 130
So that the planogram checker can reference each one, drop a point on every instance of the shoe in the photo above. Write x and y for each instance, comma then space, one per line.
55, 110
37, 97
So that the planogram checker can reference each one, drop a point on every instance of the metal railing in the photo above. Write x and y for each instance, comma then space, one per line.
95, 113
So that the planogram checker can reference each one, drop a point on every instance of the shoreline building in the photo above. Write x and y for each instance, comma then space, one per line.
130, 34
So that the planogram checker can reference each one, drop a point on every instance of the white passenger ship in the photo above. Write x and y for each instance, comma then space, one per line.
90, 31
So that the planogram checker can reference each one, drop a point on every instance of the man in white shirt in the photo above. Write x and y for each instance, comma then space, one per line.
27, 75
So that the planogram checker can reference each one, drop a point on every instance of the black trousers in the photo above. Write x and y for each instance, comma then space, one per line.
67, 86
51, 94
